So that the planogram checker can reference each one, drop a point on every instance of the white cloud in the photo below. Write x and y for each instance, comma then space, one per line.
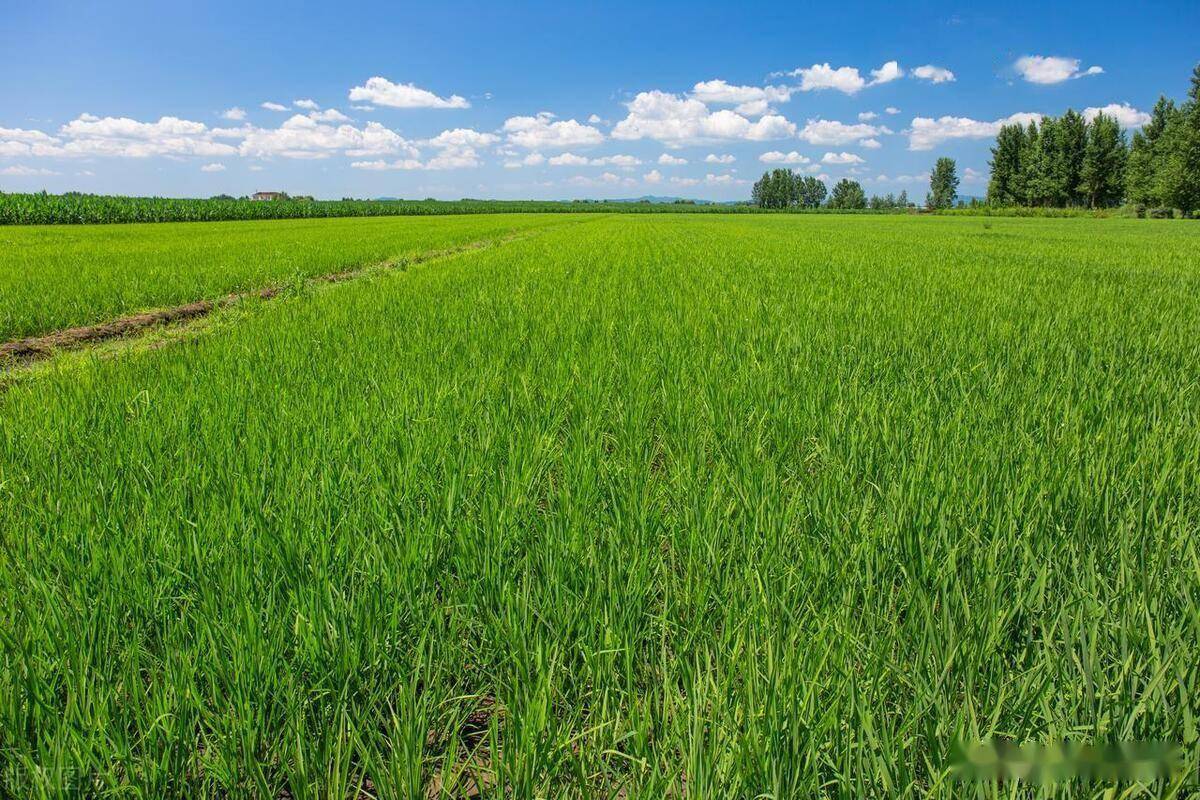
823, 76
1051, 69
892, 110
751, 101
887, 73
847, 80
724, 158
870, 144
22, 142
668, 160
363, 108
382, 92
234, 114
463, 137
329, 115
1126, 115
724, 179
653, 176
927, 133
677, 121
830, 132
543, 132
303, 137
89, 135
972, 175
685, 181
928, 72
531, 160
595, 119
622, 161
213, 168
573, 160
21, 171
568, 160
867, 116
269, 106
307, 105
776, 157
841, 158
380, 165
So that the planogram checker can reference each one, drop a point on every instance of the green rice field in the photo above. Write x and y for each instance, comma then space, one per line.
625, 506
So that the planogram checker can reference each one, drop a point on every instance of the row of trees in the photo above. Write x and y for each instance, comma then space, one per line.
782, 188
1071, 161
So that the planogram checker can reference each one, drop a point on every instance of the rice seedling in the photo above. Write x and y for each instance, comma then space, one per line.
643, 506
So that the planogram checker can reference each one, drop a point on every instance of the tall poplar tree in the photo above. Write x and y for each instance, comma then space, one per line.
1102, 179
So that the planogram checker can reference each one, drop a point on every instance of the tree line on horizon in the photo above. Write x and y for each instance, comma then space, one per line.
1073, 162
783, 188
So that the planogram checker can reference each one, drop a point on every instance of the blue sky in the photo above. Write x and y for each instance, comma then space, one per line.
552, 100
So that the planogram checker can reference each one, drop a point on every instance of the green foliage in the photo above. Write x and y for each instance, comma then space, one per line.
51, 278
943, 184
636, 506
782, 188
1068, 162
1102, 179
74, 208
848, 195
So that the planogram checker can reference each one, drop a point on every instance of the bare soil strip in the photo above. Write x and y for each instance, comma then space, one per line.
35, 348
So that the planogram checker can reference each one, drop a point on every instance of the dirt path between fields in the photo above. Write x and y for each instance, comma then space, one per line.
20, 352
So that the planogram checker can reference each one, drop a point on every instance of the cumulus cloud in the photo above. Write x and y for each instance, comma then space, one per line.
724, 179
677, 121
622, 161
531, 160
269, 106
751, 101
867, 116
213, 168
928, 72
887, 73
926, 133
777, 157
568, 160
329, 115
892, 110
307, 105
382, 92
88, 135
831, 132
381, 165
724, 158
653, 176
972, 175
1051, 69
234, 114
847, 80
668, 160
870, 144
573, 160
1126, 115
543, 131
841, 158
306, 138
